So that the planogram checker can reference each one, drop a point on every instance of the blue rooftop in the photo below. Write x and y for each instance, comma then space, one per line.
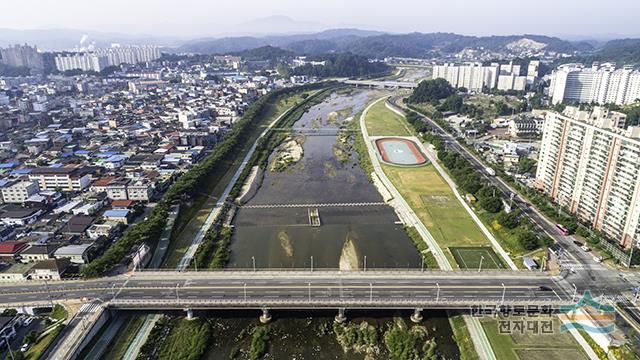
116, 213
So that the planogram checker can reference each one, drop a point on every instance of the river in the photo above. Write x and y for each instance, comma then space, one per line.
283, 237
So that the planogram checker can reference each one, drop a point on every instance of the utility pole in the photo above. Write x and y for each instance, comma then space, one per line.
245, 292
480, 267
365, 263
177, 294
6, 340
504, 291
438, 293
253, 261
311, 263
370, 292
422, 262
575, 292
309, 292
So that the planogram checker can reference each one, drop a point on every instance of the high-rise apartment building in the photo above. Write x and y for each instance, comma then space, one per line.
22, 56
84, 62
113, 56
597, 84
117, 55
590, 164
473, 76
476, 77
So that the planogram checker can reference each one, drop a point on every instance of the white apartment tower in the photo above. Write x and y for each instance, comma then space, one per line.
472, 76
589, 164
598, 84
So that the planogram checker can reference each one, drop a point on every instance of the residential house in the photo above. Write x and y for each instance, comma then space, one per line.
49, 269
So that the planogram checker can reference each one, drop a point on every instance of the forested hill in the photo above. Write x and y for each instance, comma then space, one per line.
380, 45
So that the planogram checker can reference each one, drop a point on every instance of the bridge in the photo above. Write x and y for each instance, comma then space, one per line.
317, 205
389, 84
315, 132
301, 289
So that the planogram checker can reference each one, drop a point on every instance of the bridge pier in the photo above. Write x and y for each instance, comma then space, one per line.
189, 314
416, 317
340, 318
265, 317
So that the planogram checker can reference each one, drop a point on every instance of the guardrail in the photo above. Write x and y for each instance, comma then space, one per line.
390, 303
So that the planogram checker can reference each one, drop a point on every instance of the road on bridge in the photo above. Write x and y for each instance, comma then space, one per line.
299, 289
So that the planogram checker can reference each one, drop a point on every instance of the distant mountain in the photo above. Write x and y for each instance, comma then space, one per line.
378, 45
234, 44
264, 53
622, 51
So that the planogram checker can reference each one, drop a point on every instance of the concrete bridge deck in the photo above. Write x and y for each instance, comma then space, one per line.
156, 290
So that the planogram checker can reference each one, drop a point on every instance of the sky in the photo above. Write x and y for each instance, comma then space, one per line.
196, 18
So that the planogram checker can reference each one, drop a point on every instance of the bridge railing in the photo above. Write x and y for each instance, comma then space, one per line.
331, 303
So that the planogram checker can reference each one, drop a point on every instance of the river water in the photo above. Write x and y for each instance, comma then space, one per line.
283, 237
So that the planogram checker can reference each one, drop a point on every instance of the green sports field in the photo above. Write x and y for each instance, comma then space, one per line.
470, 257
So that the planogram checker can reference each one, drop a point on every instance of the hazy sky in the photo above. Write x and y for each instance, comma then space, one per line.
210, 17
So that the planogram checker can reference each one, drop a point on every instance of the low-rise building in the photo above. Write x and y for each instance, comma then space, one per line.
61, 178
49, 269
77, 254
19, 191
37, 253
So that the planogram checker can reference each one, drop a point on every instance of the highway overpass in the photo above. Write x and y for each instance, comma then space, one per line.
388, 84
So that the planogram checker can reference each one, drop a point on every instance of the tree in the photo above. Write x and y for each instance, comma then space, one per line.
509, 220
431, 91
491, 204
528, 240
526, 164
31, 337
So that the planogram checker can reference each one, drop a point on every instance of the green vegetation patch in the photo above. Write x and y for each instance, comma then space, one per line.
41, 345
381, 121
463, 338
434, 202
470, 257
530, 345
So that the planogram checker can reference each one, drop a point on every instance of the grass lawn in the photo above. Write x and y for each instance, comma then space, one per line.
36, 350
470, 257
463, 338
384, 122
530, 345
437, 207
125, 336
191, 218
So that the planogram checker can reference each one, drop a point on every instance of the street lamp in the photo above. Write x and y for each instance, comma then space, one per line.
371, 292
253, 262
480, 267
422, 262
504, 291
311, 263
575, 291
6, 340
177, 294
365, 263
309, 292
438, 293
245, 292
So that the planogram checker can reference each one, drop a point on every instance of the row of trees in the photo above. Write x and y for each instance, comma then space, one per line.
342, 65
150, 229
487, 195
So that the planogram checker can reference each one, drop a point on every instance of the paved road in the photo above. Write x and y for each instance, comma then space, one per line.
291, 289
586, 272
